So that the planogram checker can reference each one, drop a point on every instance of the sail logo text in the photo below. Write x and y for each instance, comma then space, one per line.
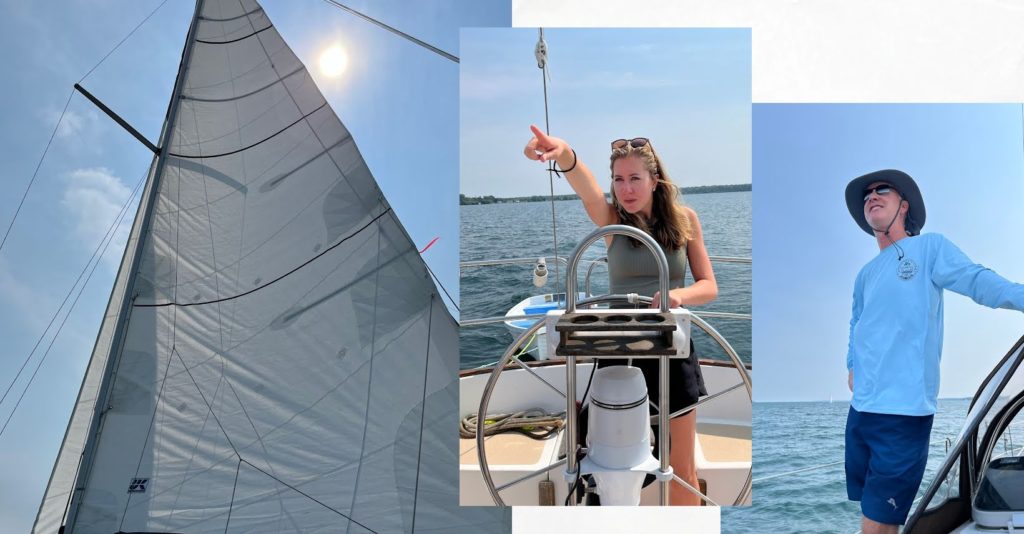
138, 485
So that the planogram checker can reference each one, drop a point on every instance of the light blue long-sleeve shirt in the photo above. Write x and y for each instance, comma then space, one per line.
896, 327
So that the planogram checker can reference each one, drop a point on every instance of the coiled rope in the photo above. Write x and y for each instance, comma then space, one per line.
534, 423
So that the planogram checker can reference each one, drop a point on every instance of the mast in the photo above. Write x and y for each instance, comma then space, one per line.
132, 265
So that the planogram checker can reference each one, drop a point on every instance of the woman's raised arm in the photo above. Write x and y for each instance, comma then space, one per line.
544, 148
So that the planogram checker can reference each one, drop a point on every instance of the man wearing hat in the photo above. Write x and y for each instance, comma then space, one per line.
896, 343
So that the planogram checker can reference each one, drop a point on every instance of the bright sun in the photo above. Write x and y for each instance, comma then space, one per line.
333, 61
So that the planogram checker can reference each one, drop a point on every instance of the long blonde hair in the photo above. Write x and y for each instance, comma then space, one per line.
668, 224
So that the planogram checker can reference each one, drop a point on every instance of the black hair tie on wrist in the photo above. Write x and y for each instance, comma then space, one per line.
571, 167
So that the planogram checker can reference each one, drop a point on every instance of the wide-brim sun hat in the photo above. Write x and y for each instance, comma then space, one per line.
902, 182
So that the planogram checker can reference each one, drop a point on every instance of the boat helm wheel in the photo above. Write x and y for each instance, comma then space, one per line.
509, 357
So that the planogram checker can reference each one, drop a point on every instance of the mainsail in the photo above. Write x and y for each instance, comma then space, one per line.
274, 356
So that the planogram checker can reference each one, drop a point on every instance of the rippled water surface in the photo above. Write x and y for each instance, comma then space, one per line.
789, 436
524, 230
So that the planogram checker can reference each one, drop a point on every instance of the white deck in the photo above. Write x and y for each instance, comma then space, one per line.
722, 452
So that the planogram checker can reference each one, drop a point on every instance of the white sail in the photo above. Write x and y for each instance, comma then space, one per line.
286, 363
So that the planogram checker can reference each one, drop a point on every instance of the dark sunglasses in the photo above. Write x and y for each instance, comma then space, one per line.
878, 190
636, 142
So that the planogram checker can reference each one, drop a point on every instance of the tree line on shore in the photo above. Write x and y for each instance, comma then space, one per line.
695, 190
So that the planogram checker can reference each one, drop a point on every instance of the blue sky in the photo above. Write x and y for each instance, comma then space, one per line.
688, 90
399, 101
969, 163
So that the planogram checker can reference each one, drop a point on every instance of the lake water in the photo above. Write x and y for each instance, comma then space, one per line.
790, 436
523, 230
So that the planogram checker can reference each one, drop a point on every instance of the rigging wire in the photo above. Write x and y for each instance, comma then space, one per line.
97, 255
121, 42
35, 173
70, 291
433, 49
439, 284
541, 53
395, 31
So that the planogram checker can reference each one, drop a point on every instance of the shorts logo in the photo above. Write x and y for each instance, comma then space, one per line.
907, 269
892, 501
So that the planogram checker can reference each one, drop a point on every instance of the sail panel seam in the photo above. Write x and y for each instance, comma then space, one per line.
308, 496
229, 19
423, 413
243, 149
279, 278
250, 93
234, 40
231, 505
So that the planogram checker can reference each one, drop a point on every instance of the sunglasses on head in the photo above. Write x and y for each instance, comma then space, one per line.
880, 190
636, 142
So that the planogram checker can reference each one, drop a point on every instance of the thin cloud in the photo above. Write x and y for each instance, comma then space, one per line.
71, 125
31, 307
93, 198
74, 124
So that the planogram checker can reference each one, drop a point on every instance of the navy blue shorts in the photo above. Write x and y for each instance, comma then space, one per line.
885, 459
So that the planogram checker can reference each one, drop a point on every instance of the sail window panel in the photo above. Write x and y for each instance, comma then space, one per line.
219, 28
226, 71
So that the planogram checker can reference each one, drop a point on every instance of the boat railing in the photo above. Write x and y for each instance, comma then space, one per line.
477, 321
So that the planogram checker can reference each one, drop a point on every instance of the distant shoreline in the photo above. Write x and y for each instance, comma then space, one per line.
847, 401
696, 190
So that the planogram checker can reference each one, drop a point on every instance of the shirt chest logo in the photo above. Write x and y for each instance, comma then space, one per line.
906, 269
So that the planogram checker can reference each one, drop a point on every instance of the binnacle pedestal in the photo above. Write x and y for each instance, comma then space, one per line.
619, 333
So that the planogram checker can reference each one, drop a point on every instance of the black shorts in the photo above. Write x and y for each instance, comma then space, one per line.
685, 379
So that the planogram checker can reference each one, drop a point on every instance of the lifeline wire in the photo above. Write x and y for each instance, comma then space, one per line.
59, 120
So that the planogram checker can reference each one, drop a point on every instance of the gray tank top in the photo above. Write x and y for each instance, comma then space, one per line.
634, 269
